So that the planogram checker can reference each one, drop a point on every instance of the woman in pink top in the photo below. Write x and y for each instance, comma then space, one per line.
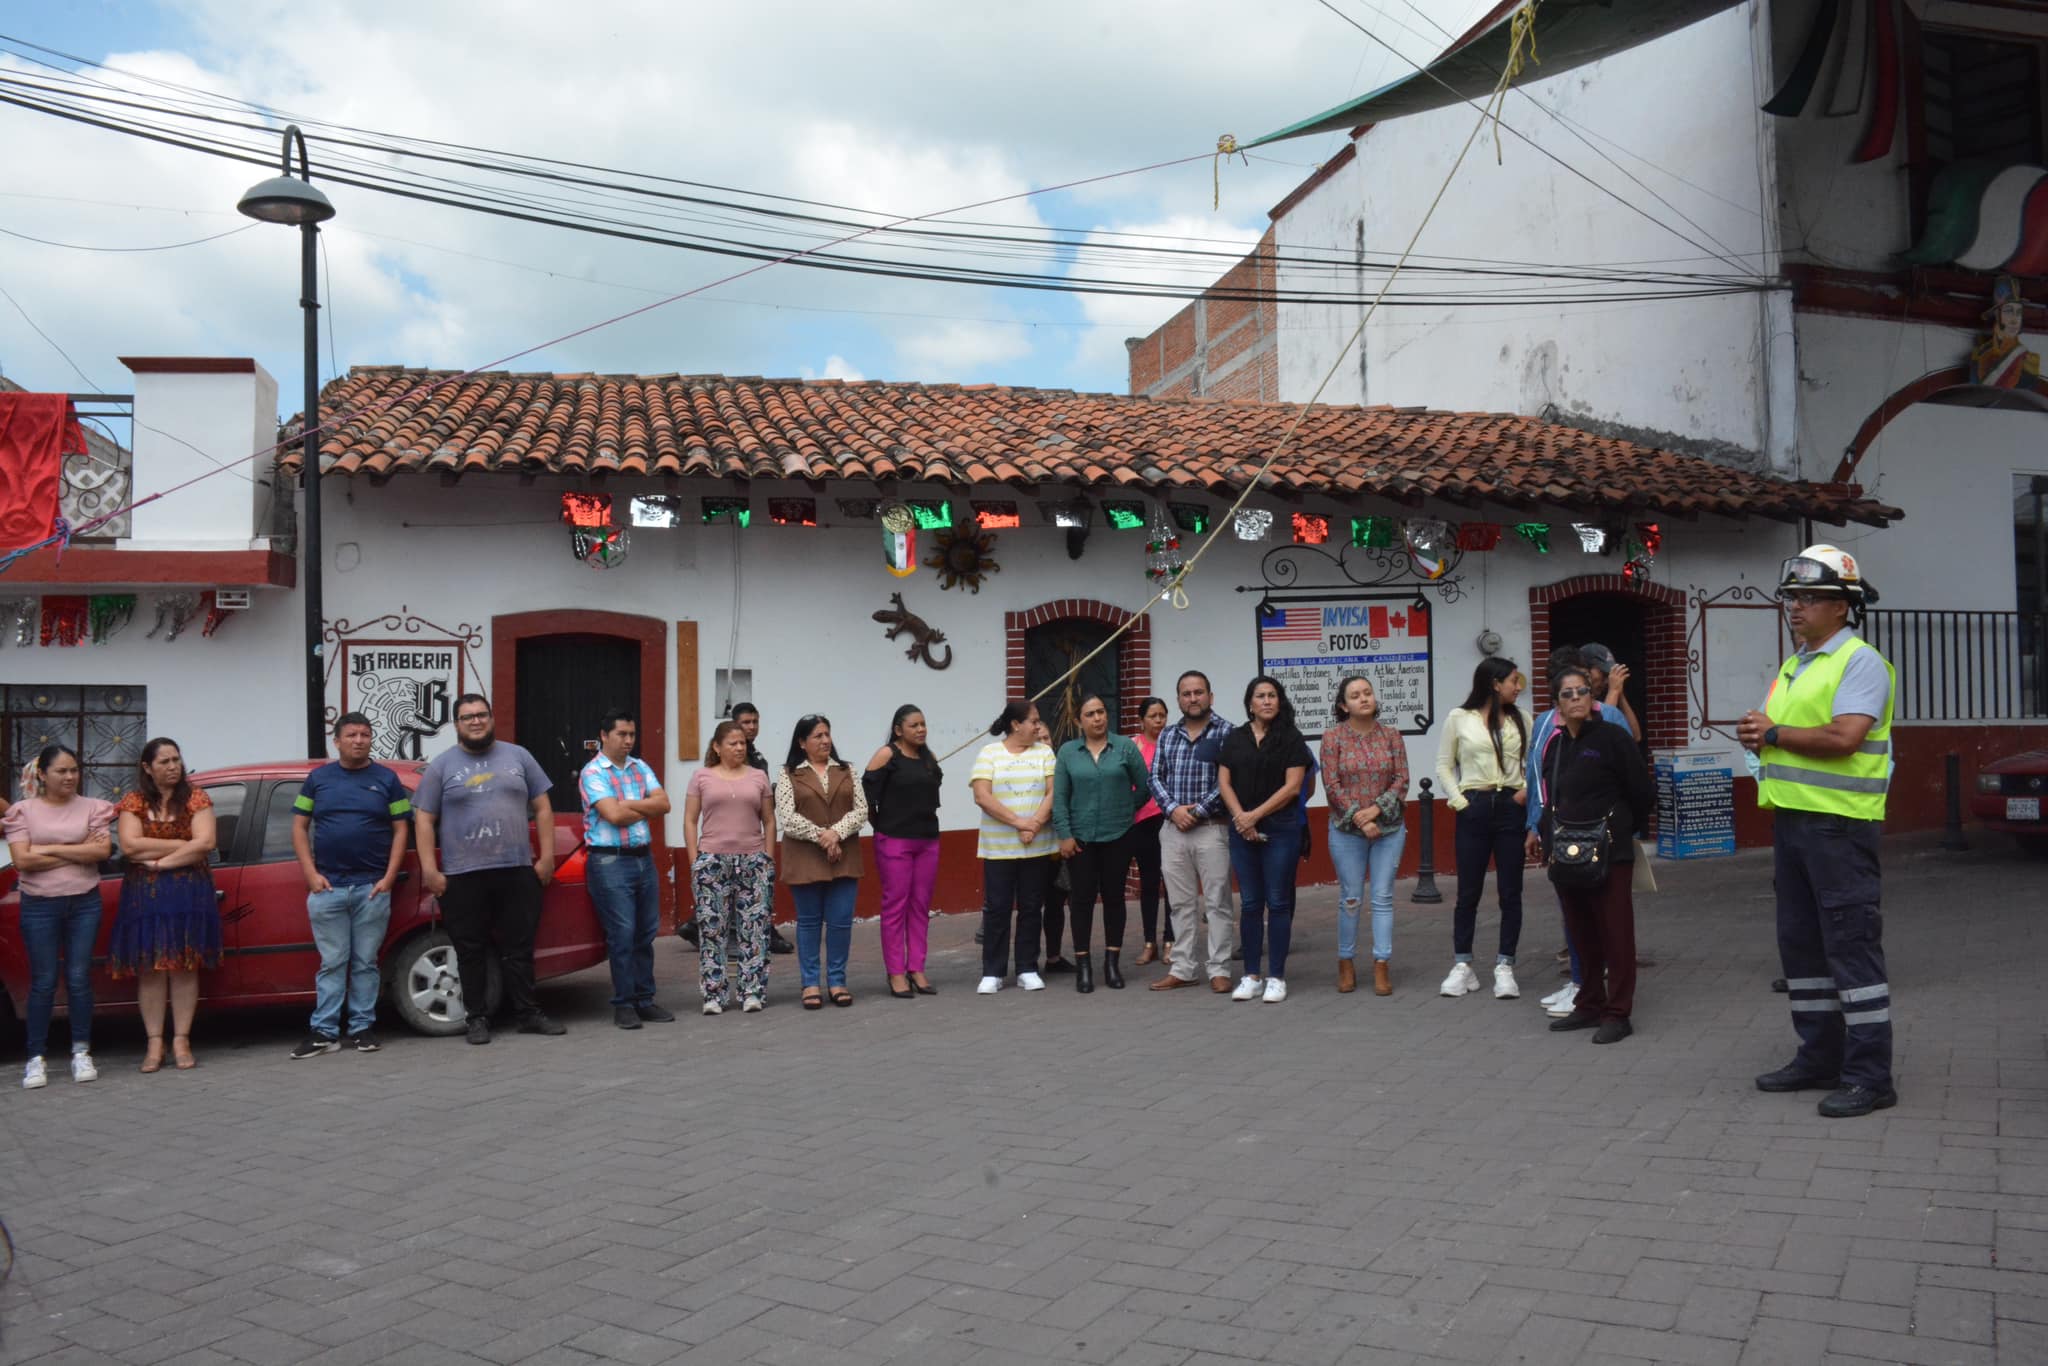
58, 840
728, 811
1151, 890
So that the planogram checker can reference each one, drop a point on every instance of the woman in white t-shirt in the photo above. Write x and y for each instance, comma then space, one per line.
1013, 787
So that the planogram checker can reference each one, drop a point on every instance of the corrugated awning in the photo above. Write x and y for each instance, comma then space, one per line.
1568, 34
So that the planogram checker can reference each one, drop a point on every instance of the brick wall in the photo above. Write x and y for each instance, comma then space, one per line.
1665, 725
1217, 347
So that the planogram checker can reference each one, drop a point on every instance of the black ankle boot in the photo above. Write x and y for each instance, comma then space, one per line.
1112, 973
1084, 973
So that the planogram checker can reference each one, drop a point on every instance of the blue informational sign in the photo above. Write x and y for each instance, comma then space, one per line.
1695, 806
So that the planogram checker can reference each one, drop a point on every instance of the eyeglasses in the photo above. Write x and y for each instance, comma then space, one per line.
1807, 599
473, 716
1571, 694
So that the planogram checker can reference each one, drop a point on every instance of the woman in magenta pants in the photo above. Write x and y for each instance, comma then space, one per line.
902, 783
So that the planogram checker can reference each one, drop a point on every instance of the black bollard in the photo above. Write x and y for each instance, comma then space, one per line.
1952, 833
1425, 892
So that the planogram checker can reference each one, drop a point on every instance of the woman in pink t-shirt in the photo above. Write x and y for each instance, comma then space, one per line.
58, 839
728, 811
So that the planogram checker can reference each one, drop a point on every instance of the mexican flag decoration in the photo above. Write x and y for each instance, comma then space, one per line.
899, 540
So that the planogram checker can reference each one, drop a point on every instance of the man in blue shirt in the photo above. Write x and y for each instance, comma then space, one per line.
1561, 1002
620, 795
349, 827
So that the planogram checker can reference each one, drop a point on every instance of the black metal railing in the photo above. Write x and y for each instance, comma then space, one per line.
1964, 666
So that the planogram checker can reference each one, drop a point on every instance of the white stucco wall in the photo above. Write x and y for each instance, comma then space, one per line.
1684, 106
487, 546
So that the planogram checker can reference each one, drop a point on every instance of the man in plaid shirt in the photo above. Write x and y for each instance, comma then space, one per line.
1194, 843
620, 795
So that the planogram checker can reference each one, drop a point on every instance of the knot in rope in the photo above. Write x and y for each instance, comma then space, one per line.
1521, 47
1226, 146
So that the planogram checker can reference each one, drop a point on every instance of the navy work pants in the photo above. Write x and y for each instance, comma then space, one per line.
1830, 941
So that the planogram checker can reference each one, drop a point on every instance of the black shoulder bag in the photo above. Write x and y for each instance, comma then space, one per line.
1579, 850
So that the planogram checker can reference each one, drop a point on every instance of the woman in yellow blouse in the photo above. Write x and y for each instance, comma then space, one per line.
1479, 766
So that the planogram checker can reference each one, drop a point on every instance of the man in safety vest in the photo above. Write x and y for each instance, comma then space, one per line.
1823, 744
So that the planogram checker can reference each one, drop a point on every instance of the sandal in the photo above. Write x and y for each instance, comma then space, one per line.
153, 1060
1148, 954
181, 1050
841, 996
813, 999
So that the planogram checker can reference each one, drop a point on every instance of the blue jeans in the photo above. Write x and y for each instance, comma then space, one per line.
1265, 897
826, 906
348, 929
628, 901
1358, 859
52, 926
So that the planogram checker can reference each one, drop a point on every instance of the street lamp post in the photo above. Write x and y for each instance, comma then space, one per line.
292, 200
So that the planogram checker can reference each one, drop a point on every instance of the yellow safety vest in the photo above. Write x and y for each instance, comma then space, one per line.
1853, 785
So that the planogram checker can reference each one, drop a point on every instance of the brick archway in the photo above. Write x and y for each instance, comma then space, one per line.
1664, 724
1133, 647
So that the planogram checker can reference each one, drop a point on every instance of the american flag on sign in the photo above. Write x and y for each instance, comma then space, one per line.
1291, 623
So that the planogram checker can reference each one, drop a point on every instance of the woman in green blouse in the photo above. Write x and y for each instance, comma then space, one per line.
1098, 785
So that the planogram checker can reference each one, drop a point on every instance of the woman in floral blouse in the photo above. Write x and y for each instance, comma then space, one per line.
168, 926
1365, 772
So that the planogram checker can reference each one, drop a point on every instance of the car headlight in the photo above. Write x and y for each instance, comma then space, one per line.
1987, 782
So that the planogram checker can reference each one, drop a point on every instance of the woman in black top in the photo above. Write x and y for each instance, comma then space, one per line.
1259, 772
1589, 768
902, 784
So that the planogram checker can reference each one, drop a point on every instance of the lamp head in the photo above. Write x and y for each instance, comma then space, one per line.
288, 200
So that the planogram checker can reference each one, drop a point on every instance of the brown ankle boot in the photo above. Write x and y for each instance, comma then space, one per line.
1382, 979
1347, 975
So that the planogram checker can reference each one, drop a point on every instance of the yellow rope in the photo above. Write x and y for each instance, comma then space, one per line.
1521, 34
1226, 145
1176, 592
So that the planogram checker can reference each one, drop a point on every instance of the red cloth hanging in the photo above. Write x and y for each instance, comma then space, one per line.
36, 432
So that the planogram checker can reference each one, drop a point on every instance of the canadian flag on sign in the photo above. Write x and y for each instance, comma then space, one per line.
1415, 621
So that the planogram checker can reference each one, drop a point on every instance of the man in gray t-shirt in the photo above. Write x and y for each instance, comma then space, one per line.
470, 813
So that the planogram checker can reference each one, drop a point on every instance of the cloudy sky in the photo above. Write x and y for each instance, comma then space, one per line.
900, 106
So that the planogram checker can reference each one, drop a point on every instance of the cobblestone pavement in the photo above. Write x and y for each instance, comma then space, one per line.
1127, 1177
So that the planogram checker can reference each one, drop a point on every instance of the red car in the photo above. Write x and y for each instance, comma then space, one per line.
2012, 795
269, 958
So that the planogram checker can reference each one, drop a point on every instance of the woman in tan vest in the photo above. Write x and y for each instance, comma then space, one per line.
820, 808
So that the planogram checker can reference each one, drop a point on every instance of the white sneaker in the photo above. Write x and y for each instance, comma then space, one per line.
1030, 981
714, 1007
989, 986
1566, 1001
1249, 988
81, 1066
36, 1076
1276, 991
1554, 997
1504, 986
1461, 980
751, 1004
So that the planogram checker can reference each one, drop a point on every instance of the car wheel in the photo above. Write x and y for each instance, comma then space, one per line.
425, 986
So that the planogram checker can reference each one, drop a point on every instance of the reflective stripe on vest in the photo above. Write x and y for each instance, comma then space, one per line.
1853, 785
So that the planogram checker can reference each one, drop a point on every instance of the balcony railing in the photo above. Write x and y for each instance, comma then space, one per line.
102, 477
1965, 666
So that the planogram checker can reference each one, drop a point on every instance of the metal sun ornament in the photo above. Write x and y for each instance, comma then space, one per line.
964, 556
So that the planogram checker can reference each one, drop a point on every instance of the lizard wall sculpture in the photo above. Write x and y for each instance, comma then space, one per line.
901, 620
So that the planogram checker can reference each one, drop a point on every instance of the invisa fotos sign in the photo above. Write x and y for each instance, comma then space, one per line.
1312, 645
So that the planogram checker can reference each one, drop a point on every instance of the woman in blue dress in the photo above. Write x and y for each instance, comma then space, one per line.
168, 927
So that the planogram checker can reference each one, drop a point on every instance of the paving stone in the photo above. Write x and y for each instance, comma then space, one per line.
927, 1185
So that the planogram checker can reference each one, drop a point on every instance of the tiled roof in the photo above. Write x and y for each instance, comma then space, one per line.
746, 428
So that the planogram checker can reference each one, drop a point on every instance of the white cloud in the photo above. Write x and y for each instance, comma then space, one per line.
1220, 244
911, 106
836, 367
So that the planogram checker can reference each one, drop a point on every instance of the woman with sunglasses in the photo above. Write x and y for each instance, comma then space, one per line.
1594, 779
820, 808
